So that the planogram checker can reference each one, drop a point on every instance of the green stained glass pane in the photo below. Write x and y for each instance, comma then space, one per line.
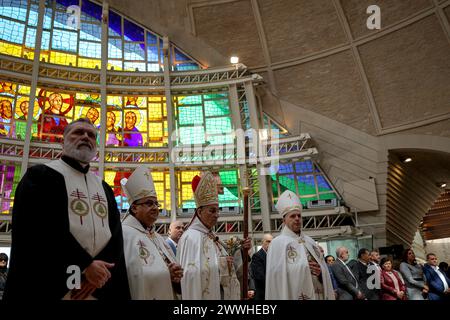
228, 177
218, 125
190, 115
216, 108
16, 179
274, 188
287, 183
327, 196
189, 205
220, 139
190, 100
213, 96
192, 135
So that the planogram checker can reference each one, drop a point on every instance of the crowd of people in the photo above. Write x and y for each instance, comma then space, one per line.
104, 257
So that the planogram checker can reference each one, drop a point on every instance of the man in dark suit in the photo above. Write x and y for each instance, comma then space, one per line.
258, 268
359, 269
438, 282
348, 288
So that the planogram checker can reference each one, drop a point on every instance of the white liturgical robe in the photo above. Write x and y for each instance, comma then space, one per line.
145, 251
288, 276
206, 271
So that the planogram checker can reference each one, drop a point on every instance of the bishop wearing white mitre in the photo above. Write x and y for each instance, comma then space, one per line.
296, 269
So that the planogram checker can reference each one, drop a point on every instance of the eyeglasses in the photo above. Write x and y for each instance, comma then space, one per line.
149, 203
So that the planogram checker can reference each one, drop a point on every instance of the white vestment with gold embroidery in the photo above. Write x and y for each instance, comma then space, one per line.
206, 271
288, 276
148, 273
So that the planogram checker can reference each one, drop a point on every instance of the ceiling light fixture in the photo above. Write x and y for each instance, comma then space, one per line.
406, 160
443, 185
234, 59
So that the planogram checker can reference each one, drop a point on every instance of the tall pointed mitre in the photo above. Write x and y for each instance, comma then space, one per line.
139, 185
288, 202
205, 189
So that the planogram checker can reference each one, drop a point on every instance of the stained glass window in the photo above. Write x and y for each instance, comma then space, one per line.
9, 178
73, 40
203, 119
307, 181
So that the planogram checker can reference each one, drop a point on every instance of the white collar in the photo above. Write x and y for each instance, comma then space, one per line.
134, 223
289, 233
199, 226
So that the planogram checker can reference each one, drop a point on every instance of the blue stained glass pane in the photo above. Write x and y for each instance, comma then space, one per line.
285, 168
322, 184
91, 32
151, 38
33, 17
179, 56
115, 25
16, 9
186, 66
11, 31
47, 18
152, 53
132, 66
153, 67
134, 51
90, 49
64, 40
306, 185
132, 32
115, 48
90, 11
67, 3
304, 166
61, 21
30, 38
45, 40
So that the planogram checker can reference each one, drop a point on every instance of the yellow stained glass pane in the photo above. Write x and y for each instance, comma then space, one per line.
10, 49
187, 176
115, 101
155, 144
158, 176
24, 90
186, 192
154, 111
109, 177
164, 109
63, 58
8, 87
89, 112
135, 101
43, 57
89, 63
28, 54
167, 178
154, 99
117, 65
155, 131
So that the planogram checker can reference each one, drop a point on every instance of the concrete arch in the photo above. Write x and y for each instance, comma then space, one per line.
415, 141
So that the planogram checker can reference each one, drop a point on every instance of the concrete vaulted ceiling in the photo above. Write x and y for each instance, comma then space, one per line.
320, 54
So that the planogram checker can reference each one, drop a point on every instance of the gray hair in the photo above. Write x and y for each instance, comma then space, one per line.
80, 120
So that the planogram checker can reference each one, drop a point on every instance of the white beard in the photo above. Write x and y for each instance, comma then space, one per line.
83, 154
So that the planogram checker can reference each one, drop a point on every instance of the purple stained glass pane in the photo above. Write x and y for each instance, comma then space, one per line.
68, 3
115, 23
92, 9
132, 32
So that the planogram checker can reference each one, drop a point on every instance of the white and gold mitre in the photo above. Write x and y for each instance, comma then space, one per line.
205, 189
287, 202
139, 185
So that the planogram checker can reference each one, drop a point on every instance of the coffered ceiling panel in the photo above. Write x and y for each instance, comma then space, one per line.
231, 29
391, 12
409, 73
296, 28
330, 86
